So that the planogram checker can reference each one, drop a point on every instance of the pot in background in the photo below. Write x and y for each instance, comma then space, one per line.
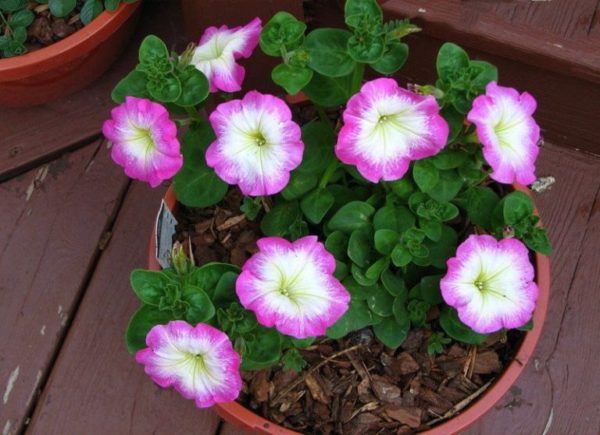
70, 64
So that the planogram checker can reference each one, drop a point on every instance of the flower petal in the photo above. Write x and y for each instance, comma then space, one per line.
508, 132
386, 127
218, 50
199, 362
291, 286
257, 144
490, 283
144, 140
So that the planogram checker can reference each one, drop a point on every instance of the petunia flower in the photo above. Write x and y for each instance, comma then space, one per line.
508, 132
386, 127
144, 140
218, 50
257, 143
198, 361
490, 283
291, 286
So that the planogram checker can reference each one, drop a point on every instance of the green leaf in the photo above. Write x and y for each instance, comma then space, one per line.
197, 185
263, 351
454, 328
316, 204
380, 302
201, 308
207, 277
516, 207
90, 10
481, 202
357, 291
141, 323
19, 35
366, 48
401, 256
359, 246
441, 250
361, 278
12, 5
356, 11
328, 54
393, 284
111, 5
537, 239
450, 59
485, 73
22, 18
394, 57
433, 229
279, 220
403, 188
133, 85
251, 207
447, 187
282, 31
376, 269
167, 89
328, 92
386, 240
448, 158
390, 332
527, 326
300, 183
337, 243
224, 292
425, 174
194, 86
352, 216
429, 289
399, 310
455, 120
152, 49
357, 317
291, 78
319, 139
148, 285
398, 219
61, 8
293, 360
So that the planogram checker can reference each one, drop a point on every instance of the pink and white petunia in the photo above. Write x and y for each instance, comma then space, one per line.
257, 144
291, 286
218, 50
198, 361
144, 140
386, 127
490, 283
508, 132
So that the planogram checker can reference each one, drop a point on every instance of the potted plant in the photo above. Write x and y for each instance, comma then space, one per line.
364, 261
49, 48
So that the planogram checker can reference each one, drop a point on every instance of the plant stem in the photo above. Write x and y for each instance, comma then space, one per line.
193, 114
357, 77
328, 173
5, 22
323, 115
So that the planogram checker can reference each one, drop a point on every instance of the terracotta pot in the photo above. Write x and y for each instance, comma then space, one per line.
242, 417
67, 65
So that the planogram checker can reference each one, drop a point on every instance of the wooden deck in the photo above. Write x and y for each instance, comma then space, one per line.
72, 228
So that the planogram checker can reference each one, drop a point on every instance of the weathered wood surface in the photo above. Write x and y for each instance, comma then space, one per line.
53, 218
96, 386
559, 388
554, 35
37, 134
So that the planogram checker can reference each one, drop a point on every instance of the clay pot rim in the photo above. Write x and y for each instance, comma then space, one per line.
61, 51
241, 416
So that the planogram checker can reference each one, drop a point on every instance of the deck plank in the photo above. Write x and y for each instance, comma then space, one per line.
45, 252
96, 386
541, 390
76, 119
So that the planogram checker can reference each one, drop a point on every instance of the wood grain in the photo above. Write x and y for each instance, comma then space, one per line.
52, 220
96, 386
29, 136
546, 391
455, 20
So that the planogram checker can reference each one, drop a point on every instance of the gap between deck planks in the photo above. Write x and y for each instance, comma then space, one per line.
53, 218
96, 385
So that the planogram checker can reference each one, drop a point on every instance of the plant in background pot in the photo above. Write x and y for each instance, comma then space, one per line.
46, 53
360, 262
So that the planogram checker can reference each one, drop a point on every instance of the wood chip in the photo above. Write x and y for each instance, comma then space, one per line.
487, 362
231, 222
316, 390
408, 416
